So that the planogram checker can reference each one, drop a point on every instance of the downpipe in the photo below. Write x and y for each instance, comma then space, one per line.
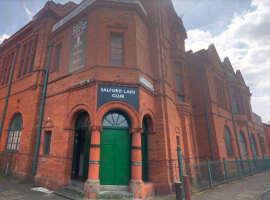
41, 111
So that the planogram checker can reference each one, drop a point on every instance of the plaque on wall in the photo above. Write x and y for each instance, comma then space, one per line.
107, 93
78, 46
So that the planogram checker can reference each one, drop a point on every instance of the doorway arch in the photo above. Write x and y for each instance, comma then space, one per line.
81, 147
115, 149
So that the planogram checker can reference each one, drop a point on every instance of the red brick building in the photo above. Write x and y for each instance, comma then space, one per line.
235, 130
121, 94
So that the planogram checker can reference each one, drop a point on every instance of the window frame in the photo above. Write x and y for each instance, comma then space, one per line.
48, 139
117, 35
28, 55
253, 146
221, 92
229, 142
12, 131
243, 144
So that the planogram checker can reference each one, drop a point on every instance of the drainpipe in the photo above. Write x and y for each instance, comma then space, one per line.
250, 141
9, 85
206, 112
235, 130
259, 135
42, 109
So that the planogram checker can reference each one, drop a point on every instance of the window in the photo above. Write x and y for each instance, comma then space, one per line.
14, 133
221, 94
116, 50
228, 142
27, 60
253, 146
243, 144
263, 145
179, 86
84, 120
115, 120
181, 98
6, 68
238, 100
235, 105
48, 143
58, 55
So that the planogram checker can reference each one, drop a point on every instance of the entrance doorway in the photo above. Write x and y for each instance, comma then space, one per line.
81, 149
115, 150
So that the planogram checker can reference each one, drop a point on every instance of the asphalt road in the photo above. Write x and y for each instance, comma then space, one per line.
14, 190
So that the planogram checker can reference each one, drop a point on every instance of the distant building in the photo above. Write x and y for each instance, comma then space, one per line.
121, 94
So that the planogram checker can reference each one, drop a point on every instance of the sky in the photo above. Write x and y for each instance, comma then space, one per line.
239, 29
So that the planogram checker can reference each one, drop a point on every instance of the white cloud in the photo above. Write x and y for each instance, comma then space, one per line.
246, 41
5, 36
28, 12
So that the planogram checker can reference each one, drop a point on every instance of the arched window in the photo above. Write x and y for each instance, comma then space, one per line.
115, 119
253, 146
228, 142
84, 120
243, 144
14, 133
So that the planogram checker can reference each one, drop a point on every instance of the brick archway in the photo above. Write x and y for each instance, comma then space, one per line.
150, 118
120, 106
74, 113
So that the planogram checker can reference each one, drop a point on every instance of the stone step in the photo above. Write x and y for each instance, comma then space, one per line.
78, 184
71, 192
115, 195
124, 188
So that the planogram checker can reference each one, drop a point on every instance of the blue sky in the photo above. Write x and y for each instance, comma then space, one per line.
239, 29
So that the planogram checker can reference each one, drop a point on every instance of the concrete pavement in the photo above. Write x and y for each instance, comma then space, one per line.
14, 190
251, 187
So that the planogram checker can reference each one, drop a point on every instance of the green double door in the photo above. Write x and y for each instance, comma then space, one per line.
115, 157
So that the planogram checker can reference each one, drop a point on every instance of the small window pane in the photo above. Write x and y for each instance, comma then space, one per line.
119, 45
243, 144
181, 98
235, 105
26, 67
30, 48
179, 83
32, 65
253, 146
